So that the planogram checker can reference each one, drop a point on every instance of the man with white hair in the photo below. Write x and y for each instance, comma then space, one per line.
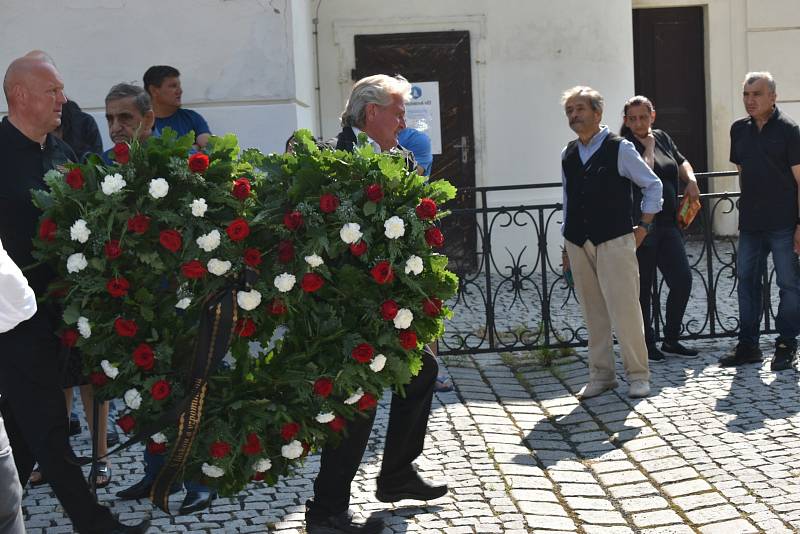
376, 107
32, 404
598, 171
765, 147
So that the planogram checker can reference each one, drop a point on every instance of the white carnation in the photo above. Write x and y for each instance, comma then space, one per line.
183, 303
159, 438
218, 267
158, 188
350, 233
199, 207
314, 260
209, 241
212, 471
79, 231
378, 363
133, 399
262, 465
76, 263
112, 184
109, 369
355, 397
248, 300
403, 318
84, 327
325, 417
284, 282
394, 227
229, 360
414, 265
292, 450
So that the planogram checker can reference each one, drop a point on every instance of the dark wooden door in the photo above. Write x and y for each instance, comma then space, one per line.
669, 56
442, 57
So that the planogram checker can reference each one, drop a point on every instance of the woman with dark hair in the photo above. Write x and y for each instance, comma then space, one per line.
663, 246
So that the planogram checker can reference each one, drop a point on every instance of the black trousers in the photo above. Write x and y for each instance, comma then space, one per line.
405, 437
35, 415
663, 248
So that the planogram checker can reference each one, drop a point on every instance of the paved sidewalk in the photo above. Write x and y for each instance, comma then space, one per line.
712, 450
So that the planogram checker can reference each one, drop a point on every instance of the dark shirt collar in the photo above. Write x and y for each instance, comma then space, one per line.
19, 140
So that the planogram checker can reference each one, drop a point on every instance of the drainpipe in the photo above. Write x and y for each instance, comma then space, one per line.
315, 21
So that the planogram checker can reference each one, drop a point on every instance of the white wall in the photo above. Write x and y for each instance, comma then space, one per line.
236, 57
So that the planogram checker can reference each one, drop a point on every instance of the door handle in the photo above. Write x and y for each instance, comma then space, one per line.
464, 146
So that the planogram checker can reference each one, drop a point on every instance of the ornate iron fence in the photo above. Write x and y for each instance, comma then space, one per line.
512, 294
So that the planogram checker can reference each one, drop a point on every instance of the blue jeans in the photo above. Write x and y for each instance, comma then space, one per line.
754, 246
153, 464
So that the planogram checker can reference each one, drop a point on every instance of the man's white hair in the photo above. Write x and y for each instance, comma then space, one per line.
753, 77
377, 89
582, 91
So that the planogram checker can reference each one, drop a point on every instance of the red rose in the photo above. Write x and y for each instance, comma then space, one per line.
367, 402
276, 307
126, 423
160, 390
75, 178
252, 444
112, 249
362, 353
382, 272
374, 192
311, 282
328, 203
285, 251
219, 449
426, 209
293, 220
156, 448
122, 153
289, 431
241, 188
143, 357
323, 387
252, 257
47, 230
193, 269
198, 162
434, 237
408, 339
117, 287
338, 424
357, 249
258, 477
245, 327
139, 224
69, 338
98, 379
432, 307
125, 327
238, 229
170, 240
389, 309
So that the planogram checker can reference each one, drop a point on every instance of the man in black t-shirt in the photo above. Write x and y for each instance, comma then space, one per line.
765, 146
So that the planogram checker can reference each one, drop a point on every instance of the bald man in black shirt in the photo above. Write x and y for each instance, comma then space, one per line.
32, 400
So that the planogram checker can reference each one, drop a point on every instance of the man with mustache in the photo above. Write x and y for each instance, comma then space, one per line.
765, 147
599, 169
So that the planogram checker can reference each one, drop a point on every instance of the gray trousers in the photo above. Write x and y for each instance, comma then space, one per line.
10, 489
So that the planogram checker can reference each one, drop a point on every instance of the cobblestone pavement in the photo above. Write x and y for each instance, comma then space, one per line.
712, 450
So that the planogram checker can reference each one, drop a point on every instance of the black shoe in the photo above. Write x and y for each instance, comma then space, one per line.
784, 357
680, 350
654, 355
413, 488
141, 490
741, 355
141, 528
341, 523
196, 501
112, 439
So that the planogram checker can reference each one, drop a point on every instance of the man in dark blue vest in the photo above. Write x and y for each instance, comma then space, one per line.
599, 170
